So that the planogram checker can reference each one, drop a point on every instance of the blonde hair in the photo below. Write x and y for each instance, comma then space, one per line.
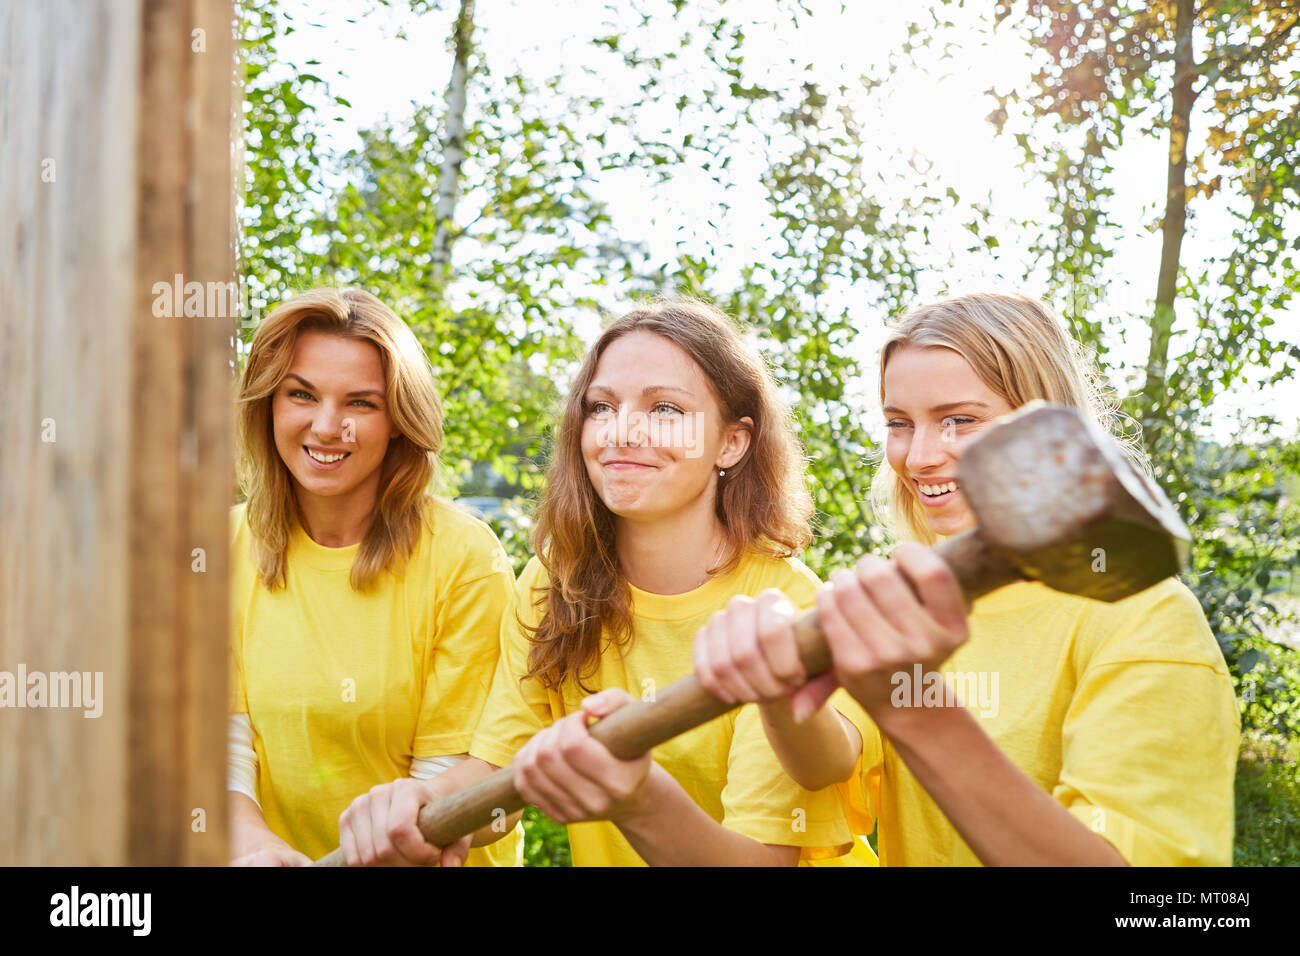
762, 504
408, 470
1019, 349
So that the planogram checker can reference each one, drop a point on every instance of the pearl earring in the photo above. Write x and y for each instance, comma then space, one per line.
721, 472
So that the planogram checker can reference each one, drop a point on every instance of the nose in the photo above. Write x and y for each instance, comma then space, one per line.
928, 449
632, 428
327, 422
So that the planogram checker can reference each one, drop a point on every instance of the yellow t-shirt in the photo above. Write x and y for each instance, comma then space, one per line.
1123, 712
726, 766
344, 689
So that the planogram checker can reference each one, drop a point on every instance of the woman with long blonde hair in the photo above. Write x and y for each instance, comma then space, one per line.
1084, 733
365, 609
675, 485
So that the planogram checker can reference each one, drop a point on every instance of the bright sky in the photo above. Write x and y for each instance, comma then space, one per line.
938, 112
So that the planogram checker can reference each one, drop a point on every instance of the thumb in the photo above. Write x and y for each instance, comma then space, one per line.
606, 702
809, 698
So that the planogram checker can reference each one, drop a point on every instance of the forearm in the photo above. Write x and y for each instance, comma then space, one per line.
1004, 816
248, 830
465, 774
821, 751
667, 828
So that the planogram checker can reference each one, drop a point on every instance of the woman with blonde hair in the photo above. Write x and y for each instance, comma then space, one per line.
1084, 733
675, 485
365, 609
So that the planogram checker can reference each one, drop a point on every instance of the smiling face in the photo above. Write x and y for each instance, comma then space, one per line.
934, 406
330, 416
653, 437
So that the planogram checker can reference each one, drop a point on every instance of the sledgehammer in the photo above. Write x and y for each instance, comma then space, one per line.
1055, 501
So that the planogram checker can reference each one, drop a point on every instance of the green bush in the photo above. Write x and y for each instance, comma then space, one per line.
546, 843
1268, 801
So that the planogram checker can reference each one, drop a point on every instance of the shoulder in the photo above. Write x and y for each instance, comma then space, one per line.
758, 572
238, 519
241, 536
459, 545
1163, 623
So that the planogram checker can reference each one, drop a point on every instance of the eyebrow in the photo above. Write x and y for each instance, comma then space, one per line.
649, 389
307, 384
948, 407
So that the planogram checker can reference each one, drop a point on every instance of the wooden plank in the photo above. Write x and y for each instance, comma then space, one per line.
113, 181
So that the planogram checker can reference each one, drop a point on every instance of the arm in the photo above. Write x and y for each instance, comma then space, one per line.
877, 625
748, 653
252, 843
1005, 817
379, 827
572, 777
667, 828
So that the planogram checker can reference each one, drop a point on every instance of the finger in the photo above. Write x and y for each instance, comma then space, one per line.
897, 603
850, 654
747, 650
347, 838
809, 698
734, 639
403, 832
776, 638
937, 585
384, 851
606, 702
703, 663
458, 852
361, 830
592, 776
543, 779
862, 609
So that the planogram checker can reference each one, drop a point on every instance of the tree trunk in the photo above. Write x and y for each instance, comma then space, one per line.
453, 147
1154, 399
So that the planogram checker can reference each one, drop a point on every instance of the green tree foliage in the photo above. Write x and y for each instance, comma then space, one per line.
1113, 71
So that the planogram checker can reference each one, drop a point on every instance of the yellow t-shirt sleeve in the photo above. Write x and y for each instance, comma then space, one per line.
462, 653
1149, 741
515, 709
860, 794
760, 800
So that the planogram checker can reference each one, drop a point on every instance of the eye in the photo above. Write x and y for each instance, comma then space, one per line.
364, 401
667, 408
298, 392
896, 424
955, 421
600, 408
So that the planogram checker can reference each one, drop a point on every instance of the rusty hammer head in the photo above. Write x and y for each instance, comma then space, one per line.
1054, 495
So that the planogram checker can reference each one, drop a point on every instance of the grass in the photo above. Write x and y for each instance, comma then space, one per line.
1268, 801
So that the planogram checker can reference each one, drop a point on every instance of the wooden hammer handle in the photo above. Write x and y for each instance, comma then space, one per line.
642, 725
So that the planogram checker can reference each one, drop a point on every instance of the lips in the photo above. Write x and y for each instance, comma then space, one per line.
326, 459
936, 491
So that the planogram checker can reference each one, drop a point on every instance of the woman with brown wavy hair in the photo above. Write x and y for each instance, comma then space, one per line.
365, 610
676, 484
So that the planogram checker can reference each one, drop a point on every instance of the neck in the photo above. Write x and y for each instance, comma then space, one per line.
338, 521
672, 555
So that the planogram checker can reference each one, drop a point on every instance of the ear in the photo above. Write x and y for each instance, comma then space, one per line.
735, 443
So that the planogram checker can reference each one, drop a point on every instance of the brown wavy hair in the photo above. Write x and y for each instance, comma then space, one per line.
408, 470
1021, 351
763, 504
